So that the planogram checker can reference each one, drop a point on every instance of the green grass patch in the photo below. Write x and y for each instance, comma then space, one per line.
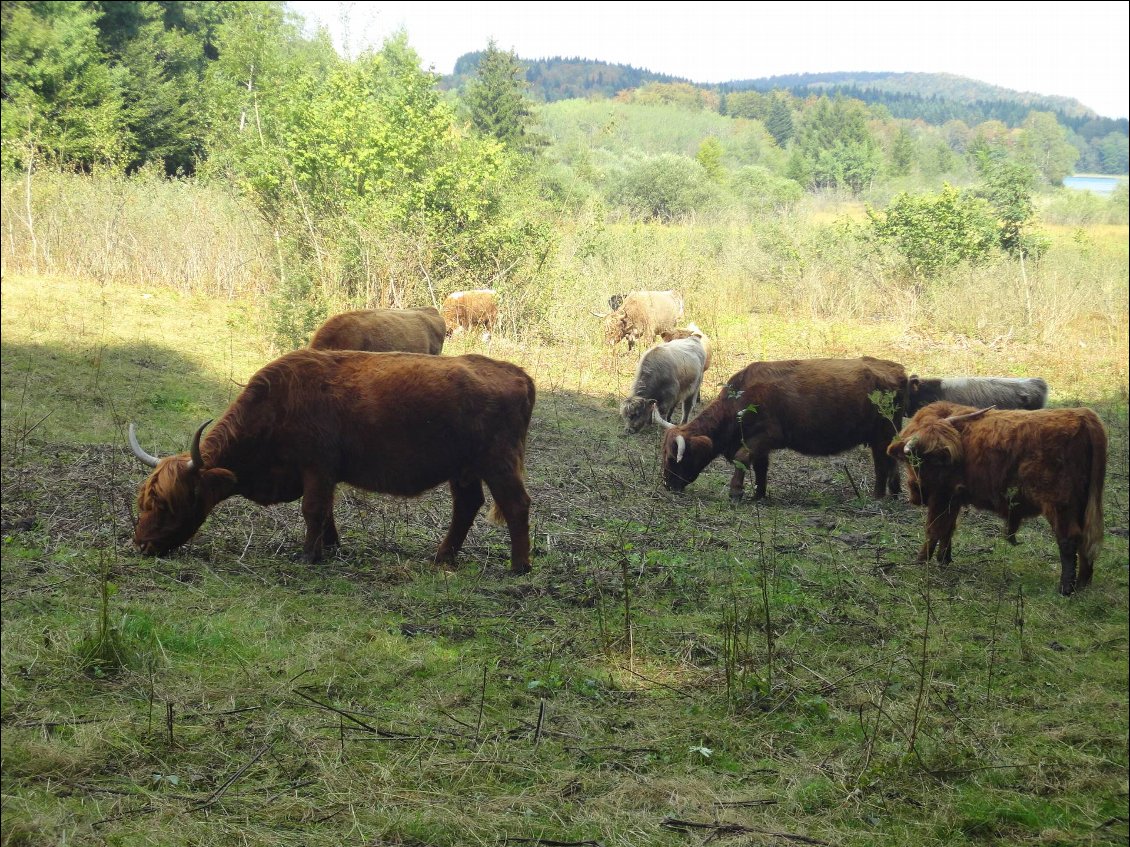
780, 667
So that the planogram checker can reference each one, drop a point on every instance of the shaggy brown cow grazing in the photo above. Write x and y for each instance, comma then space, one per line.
397, 423
466, 310
643, 315
818, 407
1017, 464
383, 331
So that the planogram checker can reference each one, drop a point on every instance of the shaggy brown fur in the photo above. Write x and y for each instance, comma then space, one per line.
383, 331
396, 423
470, 309
642, 316
818, 407
1018, 464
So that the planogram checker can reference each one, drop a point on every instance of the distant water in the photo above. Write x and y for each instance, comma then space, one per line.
1098, 184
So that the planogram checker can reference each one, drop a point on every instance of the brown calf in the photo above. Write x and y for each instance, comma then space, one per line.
1018, 464
383, 331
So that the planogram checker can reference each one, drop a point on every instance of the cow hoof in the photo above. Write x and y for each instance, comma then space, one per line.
736, 497
520, 570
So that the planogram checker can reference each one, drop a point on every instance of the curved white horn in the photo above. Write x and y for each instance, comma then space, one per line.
658, 419
680, 448
137, 451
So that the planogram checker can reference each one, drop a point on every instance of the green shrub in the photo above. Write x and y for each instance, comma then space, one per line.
665, 187
932, 232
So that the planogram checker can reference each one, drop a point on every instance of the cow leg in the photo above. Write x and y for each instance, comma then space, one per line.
688, 407
1014, 520
318, 511
466, 500
940, 524
1067, 552
512, 500
760, 475
737, 480
886, 471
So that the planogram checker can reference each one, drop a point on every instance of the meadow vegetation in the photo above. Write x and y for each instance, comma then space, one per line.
676, 669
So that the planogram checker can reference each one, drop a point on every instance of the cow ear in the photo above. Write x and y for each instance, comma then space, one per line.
217, 484
915, 383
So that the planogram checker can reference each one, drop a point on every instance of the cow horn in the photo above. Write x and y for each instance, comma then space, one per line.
137, 451
680, 448
194, 450
969, 416
658, 418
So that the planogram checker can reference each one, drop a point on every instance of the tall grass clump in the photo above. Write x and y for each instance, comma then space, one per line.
188, 235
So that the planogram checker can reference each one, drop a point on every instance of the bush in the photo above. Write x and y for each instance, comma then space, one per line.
760, 190
932, 232
665, 187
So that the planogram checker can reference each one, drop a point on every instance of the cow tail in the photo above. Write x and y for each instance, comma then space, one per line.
1093, 517
496, 516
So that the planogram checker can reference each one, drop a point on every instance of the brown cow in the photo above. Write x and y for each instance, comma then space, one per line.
466, 310
397, 423
818, 407
643, 315
383, 331
1018, 464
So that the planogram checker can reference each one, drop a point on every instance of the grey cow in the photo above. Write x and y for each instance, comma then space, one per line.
977, 391
669, 375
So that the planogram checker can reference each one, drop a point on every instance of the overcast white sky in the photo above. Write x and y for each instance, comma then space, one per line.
1076, 49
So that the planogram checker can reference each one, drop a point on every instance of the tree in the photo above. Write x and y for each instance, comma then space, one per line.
1113, 153
709, 155
779, 122
837, 145
664, 187
1008, 185
62, 101
1044, 144
902, 152
497, 102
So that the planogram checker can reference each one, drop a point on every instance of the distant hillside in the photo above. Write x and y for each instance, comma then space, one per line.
560, 78
931, 97
959, 89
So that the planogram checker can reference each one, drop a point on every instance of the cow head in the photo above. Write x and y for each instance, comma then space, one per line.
637, 413
615, 328
684, 456
176, 498
932, 450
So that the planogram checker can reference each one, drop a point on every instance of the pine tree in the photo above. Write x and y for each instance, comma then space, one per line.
779, 122
497, 102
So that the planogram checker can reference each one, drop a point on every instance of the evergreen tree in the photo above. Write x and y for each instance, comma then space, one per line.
902, 152
779, 122
62, 100
497, 102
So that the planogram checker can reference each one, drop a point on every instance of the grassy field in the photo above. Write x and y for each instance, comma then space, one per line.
676, 670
